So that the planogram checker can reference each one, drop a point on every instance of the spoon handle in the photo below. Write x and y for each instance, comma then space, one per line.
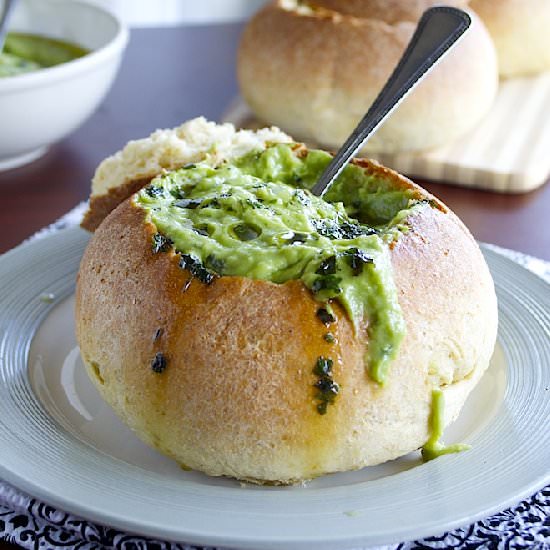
438, 29
4, 20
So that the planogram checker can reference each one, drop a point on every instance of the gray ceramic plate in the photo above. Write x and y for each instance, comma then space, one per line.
61, 443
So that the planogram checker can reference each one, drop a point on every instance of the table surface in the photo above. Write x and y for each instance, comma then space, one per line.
172, 74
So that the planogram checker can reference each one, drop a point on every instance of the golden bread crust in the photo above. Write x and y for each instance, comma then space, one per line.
236, 397
319, 81
100, 206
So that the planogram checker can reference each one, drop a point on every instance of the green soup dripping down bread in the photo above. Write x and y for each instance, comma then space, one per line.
254, 218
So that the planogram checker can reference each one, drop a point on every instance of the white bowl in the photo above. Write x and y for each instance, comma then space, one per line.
39, 108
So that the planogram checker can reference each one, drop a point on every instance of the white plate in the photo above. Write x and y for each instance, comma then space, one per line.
61, 443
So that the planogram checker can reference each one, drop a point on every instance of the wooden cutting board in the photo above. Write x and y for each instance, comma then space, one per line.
509, 151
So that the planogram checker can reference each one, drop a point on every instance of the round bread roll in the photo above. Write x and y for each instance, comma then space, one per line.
223, 377
314, 68
519, 29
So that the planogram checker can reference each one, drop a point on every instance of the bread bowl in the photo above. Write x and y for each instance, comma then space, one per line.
319, 81
519, 29
237, 352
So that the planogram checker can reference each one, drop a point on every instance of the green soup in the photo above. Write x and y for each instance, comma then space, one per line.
24, 53
255, 217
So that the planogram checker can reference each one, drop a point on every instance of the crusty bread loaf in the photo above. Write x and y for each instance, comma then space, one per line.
519, 29
319, 80
235, 395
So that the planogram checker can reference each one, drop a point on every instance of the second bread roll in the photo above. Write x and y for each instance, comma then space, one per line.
314, 69
519, 29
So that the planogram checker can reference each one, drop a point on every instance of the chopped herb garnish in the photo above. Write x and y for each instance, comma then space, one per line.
215, 264
329, 338
161, 243
301, 195
254, 203
325, 316
201, 230
322, 407
246, 232
327, 388
177, 192
158, 364
211, 203
430, 202
158, 334
352, 230
326, 228
154, 190
323, 367
195, 267
357, 259
327, 266
299, 238
333, 229
328, 282
188, 203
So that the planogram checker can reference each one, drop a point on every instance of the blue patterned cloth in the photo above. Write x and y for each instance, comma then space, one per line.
35, 525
